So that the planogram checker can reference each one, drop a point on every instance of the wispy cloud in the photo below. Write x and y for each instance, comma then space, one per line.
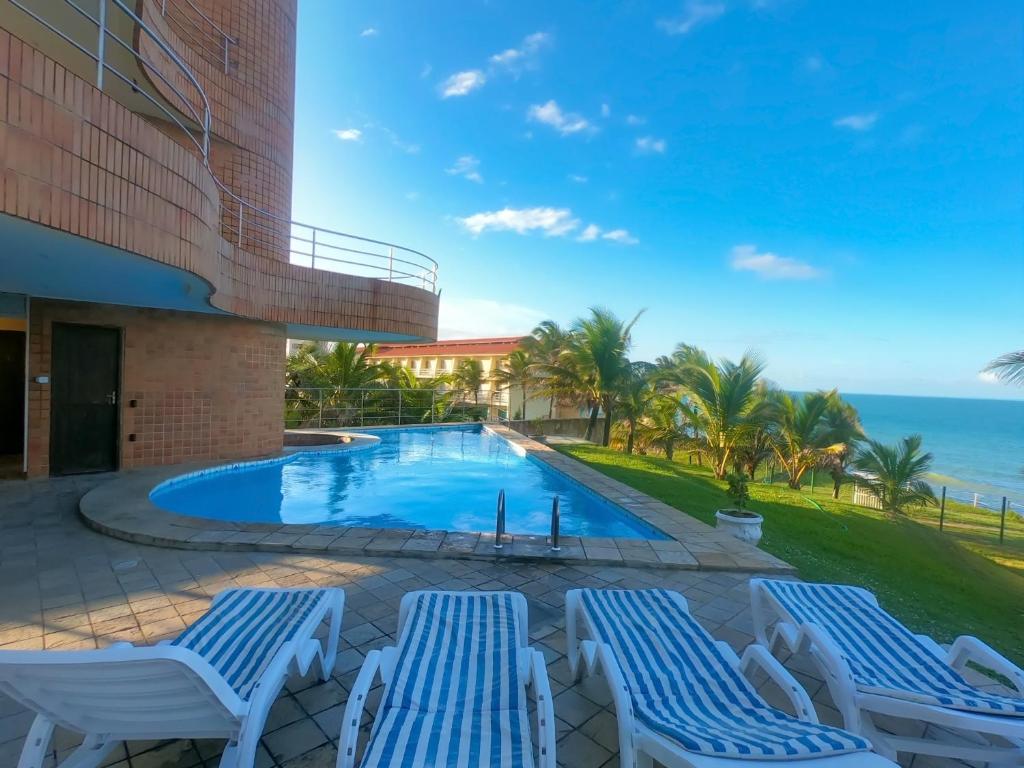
552, 222
566, 123
620, 236
647, 145
523, 57
466, 166
464, 318
462, 83
771, 266
635, 120
349, 134
695, 14
578, 178
397, 141
860, 122
606, 110
814, 63
988, 377
593, 232
511, 60
369, 32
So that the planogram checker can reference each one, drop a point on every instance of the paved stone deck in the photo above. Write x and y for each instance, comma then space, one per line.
64, 586
122, 508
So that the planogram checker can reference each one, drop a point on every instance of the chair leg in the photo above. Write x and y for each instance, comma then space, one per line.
329, 656
572, 643
38, 739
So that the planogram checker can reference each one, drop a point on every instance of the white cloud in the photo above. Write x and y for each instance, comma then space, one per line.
770, 266
466, 166
696, 13
620, 236
369, 32
605, 110
988, 377
648, 144
462, 318
523, 57
349, 134
426, 70
635, 120
462, 83
565, 123
862, 122
552, 222
577, 178
397, 141
590, 233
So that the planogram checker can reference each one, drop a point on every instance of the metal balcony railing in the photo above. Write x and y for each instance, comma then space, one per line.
243, 223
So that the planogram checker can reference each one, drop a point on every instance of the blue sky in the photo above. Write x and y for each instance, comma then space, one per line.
838, 186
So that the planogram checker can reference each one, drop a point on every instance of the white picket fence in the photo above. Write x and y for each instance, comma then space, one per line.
865, 497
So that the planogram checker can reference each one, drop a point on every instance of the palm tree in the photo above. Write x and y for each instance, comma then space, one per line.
595, 362
728, 403
634, 398
518, 371
469, 377
664, 425
544, 346
802, 433
336, 374
846, 431
895, 473
1009, 367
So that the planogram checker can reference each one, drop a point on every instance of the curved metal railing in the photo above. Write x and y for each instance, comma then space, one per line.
245, 224
202, 33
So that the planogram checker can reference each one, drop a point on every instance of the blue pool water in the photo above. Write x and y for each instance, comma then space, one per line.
422, 478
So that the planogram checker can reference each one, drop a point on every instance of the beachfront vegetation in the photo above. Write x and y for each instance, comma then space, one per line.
1009, 367
960, 581
895, 474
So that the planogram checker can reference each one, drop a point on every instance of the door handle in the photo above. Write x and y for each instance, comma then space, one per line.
112, 398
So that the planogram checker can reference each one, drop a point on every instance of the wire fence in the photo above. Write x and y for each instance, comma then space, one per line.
336, 408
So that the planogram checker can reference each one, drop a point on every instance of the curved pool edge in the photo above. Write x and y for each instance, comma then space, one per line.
122, 508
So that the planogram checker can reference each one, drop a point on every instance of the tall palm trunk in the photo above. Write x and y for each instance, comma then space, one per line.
632, 435
592, 423
607, 422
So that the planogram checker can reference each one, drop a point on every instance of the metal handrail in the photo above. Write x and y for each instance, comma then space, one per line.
223, 46
251, 225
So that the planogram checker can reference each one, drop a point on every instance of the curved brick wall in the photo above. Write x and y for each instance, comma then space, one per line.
77, 161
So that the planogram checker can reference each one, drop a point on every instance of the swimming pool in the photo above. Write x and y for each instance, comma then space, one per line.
435, 478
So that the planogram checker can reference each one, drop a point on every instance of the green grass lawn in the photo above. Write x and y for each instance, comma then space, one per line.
945, 584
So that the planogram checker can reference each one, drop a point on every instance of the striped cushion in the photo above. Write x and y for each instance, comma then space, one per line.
684, 688
884, 656
456, 697
240, 634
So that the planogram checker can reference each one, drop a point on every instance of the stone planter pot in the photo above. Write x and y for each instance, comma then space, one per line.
745, 526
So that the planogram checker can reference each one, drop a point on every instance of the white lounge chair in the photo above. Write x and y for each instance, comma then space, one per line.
876, 666
682, 699
216, 680
454, 688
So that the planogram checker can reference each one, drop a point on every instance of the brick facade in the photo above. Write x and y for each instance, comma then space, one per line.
75, 159
205, 387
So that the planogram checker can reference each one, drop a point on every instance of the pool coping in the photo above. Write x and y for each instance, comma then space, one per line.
122, 508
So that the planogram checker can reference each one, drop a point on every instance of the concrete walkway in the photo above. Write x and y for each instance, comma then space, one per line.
65, 586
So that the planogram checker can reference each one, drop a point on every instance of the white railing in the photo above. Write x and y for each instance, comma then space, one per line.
865, 498
244, 223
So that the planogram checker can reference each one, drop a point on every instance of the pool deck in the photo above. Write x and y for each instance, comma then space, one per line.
64, 586
122, 508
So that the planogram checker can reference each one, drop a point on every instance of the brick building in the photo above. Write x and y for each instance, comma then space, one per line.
150, 272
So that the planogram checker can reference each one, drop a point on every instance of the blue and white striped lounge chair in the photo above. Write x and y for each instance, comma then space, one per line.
454, 688
876, 666
684, 700
216, 680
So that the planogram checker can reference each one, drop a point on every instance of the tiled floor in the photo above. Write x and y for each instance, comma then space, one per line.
65, 586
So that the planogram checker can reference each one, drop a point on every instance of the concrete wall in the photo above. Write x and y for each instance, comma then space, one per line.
563, 427
206, 388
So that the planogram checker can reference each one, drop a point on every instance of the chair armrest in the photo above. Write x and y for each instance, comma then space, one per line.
545, 710
758, 656
349, 737
966, 648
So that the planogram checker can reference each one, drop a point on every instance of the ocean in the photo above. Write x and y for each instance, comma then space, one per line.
978, 445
